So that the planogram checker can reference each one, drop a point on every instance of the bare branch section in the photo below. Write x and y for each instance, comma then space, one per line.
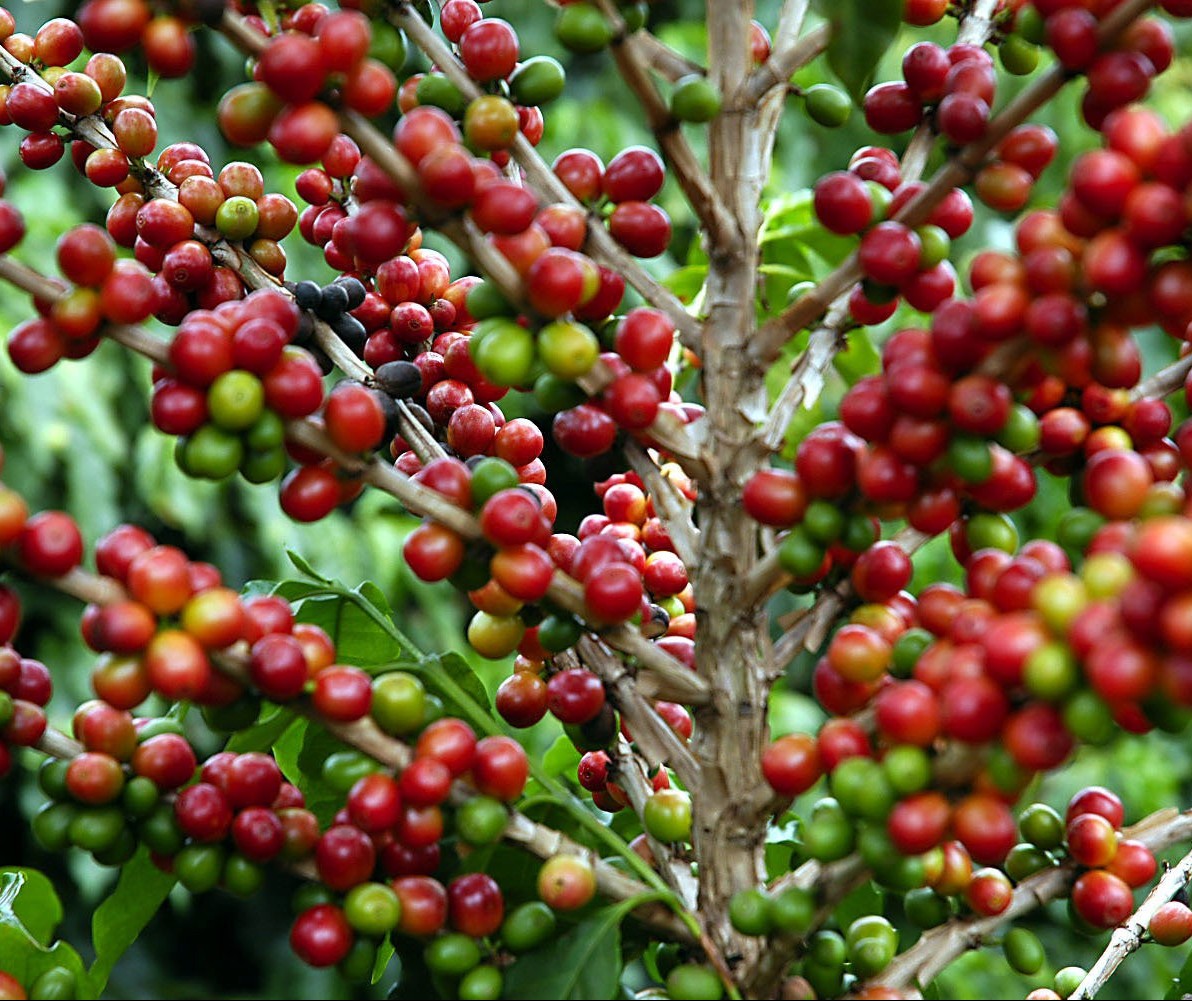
1166, 380
633, 63
921, 963
665, 61
960, 168
672, 508
1128, 937
600, 246
784, 62
806, 380
367, 737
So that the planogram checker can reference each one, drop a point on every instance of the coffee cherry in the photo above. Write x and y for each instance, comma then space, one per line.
50, 544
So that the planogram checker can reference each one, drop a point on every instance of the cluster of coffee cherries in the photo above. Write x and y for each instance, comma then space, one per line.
161, 231
104, 291
624, 560
234, 379
178, 619
1111, 867
956, 84
164, 38
1117, 76
46, 95
25, 689
135, 782
488, 50
860, 200
319, 53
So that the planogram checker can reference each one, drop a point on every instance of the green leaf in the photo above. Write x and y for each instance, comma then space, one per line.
140, 891
454, 681
358, 639
865, 899
385, 953
300, 753
303, 567
859, 358
582, 964
426, 10
862, 31
264, 733
36, 903
561, 758
1183, 981
23, 956
686, 282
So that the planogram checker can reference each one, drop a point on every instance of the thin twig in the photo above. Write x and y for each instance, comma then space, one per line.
665, 61
1166, 380
806, 380
1128, 937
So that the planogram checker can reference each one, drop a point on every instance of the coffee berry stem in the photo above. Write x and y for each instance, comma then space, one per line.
1128, 937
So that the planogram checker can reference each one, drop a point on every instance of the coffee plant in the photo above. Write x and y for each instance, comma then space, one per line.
754, 453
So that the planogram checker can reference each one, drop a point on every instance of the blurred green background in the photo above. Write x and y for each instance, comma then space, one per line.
78, 438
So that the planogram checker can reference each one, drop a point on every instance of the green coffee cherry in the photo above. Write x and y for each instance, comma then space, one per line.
827, 105
695, 99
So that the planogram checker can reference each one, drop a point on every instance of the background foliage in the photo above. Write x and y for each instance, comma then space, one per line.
79, 438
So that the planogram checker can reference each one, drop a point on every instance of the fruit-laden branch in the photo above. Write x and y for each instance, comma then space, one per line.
667, 429
938, 947
599, 244
660, 675
365, 736
1127, 938
806, 380
808, 627
957, 170
685, 166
